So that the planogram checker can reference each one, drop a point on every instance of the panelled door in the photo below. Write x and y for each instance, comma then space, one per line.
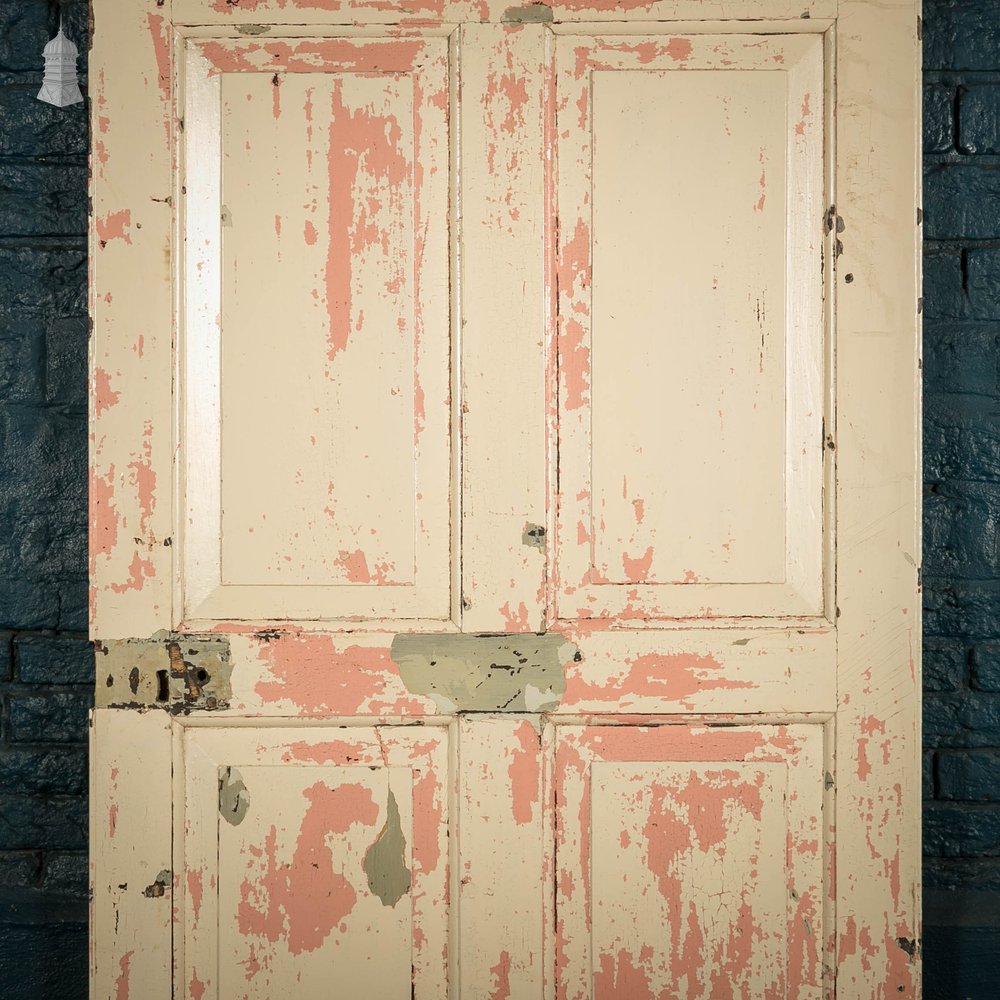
504, 540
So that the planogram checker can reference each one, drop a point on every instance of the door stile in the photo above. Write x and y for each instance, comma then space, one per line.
878, 447
133, 888
501, 128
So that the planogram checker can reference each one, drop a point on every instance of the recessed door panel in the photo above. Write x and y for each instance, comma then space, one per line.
316, 344
316, 857
690, 326
689, 861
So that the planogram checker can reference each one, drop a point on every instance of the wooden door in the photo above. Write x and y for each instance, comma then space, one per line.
504, 538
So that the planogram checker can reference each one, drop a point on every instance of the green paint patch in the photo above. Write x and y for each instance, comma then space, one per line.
234, 799
485, 673
385, 860
532, 13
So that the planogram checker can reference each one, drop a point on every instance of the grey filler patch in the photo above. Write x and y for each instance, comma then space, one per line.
234, 799
385, 860
532, 13
533, 536
168, 670
253, 29
485, 673
159, 886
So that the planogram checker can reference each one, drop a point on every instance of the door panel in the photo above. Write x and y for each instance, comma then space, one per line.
690, 327
689, 861
316, 353
302, 845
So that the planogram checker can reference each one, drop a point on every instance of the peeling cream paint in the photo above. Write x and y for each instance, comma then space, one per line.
485, 673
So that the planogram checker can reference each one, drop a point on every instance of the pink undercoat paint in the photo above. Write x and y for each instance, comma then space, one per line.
104, 396
144, 479
276, 97
803, 947
525, 773
160, 36
619, 976
639, 742
428, 813
139, 570
308, 56
112, 819
309, 233
115, 226
759, 206
355, 566
304, 900
501, 977
329, 752
515, 620
195, 892
679, 49
637, 570
196, 987
800, 128
686, 819
333, 6
104, 518
864, 767
317, 677
364, 152
574, 364
676, 677
574, 351
122, 980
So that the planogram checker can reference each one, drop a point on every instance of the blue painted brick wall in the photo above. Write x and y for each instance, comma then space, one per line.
962, 499
46, 663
